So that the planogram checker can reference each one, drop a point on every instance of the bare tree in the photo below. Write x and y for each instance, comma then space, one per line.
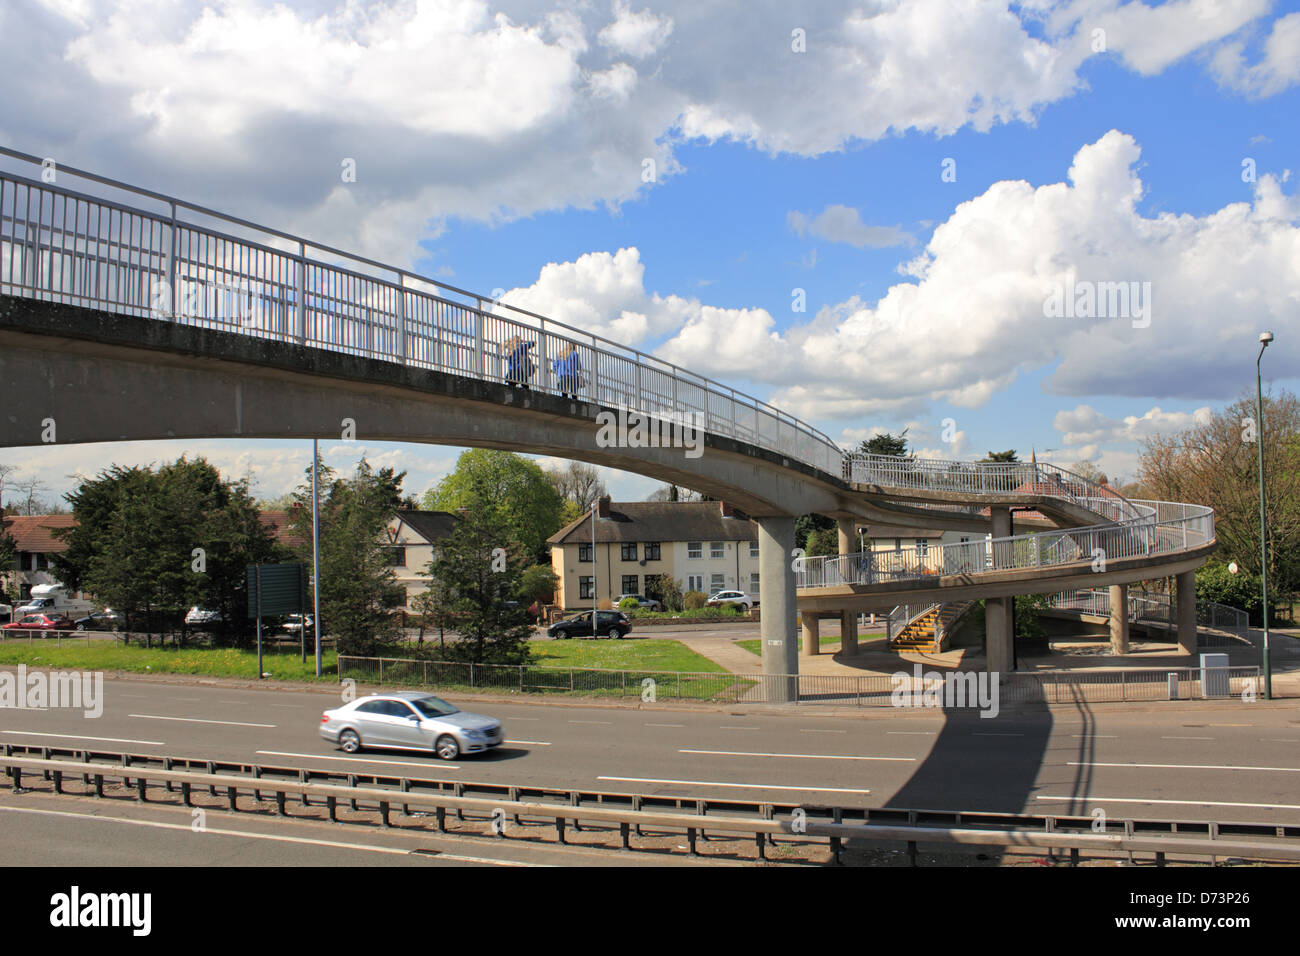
578, 482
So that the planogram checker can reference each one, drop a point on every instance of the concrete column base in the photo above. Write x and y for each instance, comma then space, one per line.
1186, 612
849, 633
811, 646
998, 636
1119, 626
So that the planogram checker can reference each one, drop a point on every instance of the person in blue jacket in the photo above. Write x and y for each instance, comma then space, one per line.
568, 371
519, 364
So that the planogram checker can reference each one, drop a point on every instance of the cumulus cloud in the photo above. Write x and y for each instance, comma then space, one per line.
1277, 68
461, 108
838, 223
1084, 425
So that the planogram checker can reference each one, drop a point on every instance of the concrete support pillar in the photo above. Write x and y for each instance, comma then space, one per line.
998, 637
776, 595
1119, 618
811, 635
848, 534
1000, 527
1186, 614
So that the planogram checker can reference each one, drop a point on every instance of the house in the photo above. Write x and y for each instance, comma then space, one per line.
411, 538
36, 544
704, 546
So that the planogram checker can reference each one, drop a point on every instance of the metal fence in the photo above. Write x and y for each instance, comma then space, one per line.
1226, 626
66, 246
900, 689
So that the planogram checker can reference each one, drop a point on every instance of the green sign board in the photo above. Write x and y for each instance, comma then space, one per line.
282, 589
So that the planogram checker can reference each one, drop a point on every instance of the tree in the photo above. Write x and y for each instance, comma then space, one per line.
510, 490
481, 590
806, 525
8, 560
664, 588
147, 541
886, 444
579, 483
823, 541
359, 593
1088, 470
1215, 463
1007, 456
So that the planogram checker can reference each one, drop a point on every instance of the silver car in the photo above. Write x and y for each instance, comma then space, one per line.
410, 720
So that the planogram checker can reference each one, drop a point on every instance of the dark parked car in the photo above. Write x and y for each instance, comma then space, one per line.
96, 621
608, 624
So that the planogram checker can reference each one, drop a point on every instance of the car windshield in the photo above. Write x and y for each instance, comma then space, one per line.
433, 706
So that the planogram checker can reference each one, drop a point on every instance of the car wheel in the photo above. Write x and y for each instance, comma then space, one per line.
446, 747
613, 634
81, 627
350, 742
561, 635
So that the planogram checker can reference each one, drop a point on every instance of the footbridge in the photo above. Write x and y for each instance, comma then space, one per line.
126, 315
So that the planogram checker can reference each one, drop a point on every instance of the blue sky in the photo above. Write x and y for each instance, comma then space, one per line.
749, 136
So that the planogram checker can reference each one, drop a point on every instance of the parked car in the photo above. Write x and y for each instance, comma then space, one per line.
612, 624
198, 615
293, 623
6, 612
105, 620
410, 720
738, 598
40, 622
650, 604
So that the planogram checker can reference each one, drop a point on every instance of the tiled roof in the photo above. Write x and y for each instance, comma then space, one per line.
35, 532
281, 526
430, 525
659, 521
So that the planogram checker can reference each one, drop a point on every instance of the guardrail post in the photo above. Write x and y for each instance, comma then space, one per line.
383, 813
302, 293
185, 795
332, 805
440, 815
58, 781
401, 317
140, 790
233, 796
690, 838
559, 829
279, 804
99, 784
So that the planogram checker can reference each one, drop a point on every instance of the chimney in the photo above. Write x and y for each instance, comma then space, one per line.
727, 508
602, 506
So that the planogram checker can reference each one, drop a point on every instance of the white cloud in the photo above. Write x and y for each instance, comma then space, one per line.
635, 34
1277, 69
838, 223
1083, 424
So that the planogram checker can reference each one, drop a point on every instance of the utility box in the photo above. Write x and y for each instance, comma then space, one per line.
1173, 685
1215, 681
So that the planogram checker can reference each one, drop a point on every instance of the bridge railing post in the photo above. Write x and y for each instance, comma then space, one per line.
171, 264
401, 317
480, 325
302, 293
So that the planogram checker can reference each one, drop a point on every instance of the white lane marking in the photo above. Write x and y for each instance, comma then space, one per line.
186, 699
533, 743
727, 727
1187, 803
135, 696
665, 725
157, 824
1280, 740
823, 731
391, 763
526, 718
197, 720
1087, 736
912, 733
743, 786
741, 753
114, 740
591, 721
1180, 766
1186, 738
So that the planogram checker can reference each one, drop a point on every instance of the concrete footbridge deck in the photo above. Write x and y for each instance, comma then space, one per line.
126, 314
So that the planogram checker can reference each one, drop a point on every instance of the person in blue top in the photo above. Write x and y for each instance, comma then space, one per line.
568, 371
519, 364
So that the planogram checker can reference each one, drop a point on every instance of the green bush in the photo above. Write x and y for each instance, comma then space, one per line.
629, 604
693, 600
1216, 583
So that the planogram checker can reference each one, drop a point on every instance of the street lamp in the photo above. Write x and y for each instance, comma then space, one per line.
1264, 339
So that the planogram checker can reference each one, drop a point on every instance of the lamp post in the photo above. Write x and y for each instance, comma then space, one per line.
1264, 339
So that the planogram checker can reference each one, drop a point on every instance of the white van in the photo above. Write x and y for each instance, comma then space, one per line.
53, 599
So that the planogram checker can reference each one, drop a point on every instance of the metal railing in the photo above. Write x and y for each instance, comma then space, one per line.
1163, 528
1153, 607
436, 802
66, 246
1021, 687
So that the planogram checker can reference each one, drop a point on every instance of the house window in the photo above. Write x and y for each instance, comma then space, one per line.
695, 582
629, 584
753, 549
716, 583
585, 585
922, 547
629, 551
753, 583
584, 553
652, 551
716, 549
898, 544
397, 557
695, 549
